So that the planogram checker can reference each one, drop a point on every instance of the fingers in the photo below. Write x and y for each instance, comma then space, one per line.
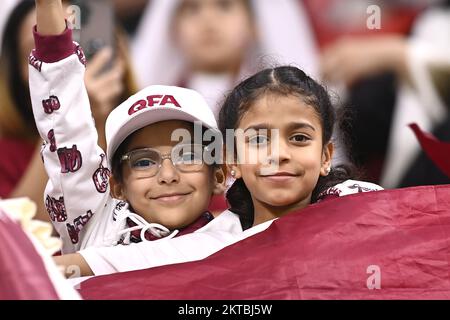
352, 59
115, 74
98, 62
105, 88
105, 101
328, 65
333, 63
104, 82
108, 94
346, 61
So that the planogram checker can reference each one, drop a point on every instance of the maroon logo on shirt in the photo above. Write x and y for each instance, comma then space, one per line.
80, 54
56, 209
51, 104
333, 191
119, 206
51, 138
157, 99
360, 188
41, 152
70, 159
78, 224
101, 177
33, 61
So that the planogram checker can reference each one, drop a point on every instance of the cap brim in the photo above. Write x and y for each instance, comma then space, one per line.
150, 116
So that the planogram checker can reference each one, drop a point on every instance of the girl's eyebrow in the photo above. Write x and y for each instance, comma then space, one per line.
138, 148
300, 125
291, 126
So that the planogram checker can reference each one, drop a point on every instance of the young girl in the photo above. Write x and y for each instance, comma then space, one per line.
287, 102
157, 185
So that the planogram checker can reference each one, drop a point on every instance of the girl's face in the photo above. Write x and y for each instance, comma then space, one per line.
172, 198
213, 34
301, 158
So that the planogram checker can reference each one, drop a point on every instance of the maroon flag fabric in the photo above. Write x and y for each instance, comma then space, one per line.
22, 272
378, 245
437, 151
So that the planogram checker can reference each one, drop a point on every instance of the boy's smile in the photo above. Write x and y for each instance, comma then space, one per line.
171, 198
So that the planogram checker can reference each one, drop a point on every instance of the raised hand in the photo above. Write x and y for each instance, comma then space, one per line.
50, 17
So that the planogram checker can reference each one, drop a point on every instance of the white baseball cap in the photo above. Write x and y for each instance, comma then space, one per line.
154, 104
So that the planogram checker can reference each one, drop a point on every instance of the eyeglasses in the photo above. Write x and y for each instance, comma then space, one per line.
146, 162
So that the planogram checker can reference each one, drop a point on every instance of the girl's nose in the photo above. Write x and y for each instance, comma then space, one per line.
280, 150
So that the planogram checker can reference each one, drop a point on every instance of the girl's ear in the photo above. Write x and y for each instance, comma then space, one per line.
116, 189
327, 155
219, 181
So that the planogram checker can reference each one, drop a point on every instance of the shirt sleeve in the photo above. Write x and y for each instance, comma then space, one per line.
221, 232
77, 167
148, 254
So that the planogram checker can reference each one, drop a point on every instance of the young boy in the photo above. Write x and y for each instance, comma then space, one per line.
155, 186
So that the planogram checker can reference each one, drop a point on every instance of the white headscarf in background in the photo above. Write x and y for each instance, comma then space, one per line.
428, 46
284, 37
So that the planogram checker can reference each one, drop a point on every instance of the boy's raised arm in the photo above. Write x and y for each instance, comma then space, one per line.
50, 17
77, 192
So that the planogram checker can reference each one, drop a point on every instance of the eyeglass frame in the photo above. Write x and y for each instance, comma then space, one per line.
126, 157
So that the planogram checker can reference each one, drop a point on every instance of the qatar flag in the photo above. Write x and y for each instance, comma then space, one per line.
437, 151
392, 244
22, 271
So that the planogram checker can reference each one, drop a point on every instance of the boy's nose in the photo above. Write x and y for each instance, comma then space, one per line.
168, 173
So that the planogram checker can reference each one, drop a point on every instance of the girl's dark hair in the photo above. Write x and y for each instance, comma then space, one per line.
10, 61
284, 80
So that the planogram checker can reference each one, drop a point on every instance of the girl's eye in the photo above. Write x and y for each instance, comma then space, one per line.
258, 140
143, 163
300, 138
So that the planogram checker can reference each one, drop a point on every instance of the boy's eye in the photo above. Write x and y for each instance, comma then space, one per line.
188, 157
143, 163
258, 140
300, 138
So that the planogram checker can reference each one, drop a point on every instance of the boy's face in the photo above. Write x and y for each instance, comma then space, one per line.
213, 34
300, 159
172, 198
